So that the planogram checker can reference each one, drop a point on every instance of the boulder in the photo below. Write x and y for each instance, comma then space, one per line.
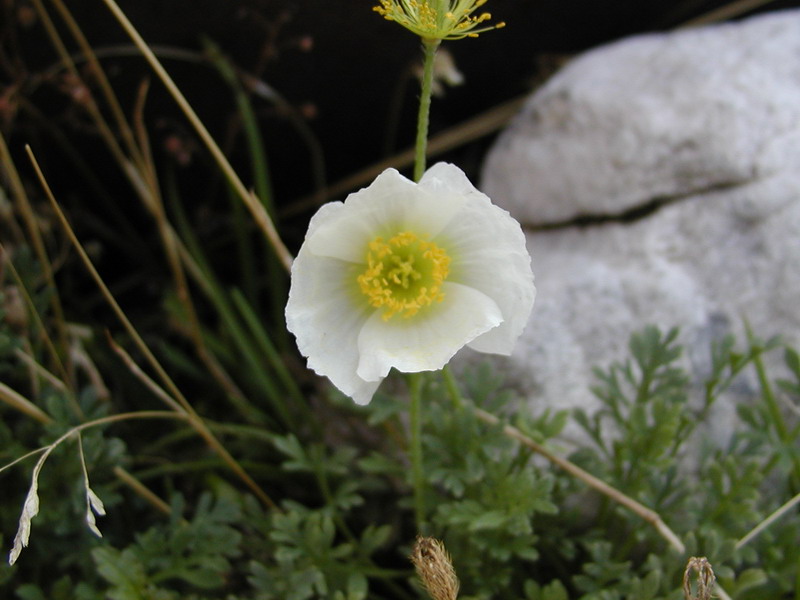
658, 181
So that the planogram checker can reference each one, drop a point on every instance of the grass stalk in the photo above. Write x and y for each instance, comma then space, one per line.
199, 425
89, 103
19, 402
777, 514
142, 490
266, 347
198, 267
776, 416
184, 406
37, 241
102, 81
594, 482
172, 247
261, 183
256, 208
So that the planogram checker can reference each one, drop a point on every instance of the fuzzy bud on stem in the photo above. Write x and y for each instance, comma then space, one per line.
435, 569
705, 579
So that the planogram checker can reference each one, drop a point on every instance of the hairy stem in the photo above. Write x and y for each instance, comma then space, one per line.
429, 48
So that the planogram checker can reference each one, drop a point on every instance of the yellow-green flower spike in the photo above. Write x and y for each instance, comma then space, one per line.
438, 19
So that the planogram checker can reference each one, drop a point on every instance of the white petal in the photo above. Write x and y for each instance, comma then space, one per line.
325, 314
489, 254
446, 178
426, 341
391, 204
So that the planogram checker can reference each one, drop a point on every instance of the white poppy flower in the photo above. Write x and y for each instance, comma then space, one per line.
403, 275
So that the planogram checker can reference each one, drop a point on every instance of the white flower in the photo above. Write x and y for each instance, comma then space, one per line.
403, 275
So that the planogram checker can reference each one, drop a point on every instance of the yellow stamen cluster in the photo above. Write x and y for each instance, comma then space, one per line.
437, 19
403, 274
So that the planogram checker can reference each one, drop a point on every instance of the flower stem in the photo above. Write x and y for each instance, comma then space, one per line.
417, 471
429, 48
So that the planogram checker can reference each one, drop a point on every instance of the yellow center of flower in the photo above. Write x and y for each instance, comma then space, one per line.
403, 274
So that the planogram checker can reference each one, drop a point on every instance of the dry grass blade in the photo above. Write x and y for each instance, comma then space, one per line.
769, 521
267, 226
184, 407
725, 12
179, 260
137, 372
473, 129
19, 402
109, 297
601, 486
195, 421
24, 208
89, 103
100, 78
143, 491
39, 371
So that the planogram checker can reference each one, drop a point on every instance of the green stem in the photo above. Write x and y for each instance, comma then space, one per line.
417, 470
452, 388
429, 47
415, 379
775, 413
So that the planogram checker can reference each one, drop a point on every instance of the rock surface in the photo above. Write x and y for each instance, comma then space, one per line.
658, 179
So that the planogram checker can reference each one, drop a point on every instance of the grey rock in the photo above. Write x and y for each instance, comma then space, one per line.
654, 117
700, 131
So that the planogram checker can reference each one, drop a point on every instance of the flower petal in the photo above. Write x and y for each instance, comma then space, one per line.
489, 254
446, 178
391, 204
429, 340
324, 314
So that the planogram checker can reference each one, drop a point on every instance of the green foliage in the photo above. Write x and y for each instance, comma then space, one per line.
308, 562
554, 590
183, 555
485, 495
516, 526
645, 398
712, 503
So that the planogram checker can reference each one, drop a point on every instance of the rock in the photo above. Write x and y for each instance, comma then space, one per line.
658, 179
